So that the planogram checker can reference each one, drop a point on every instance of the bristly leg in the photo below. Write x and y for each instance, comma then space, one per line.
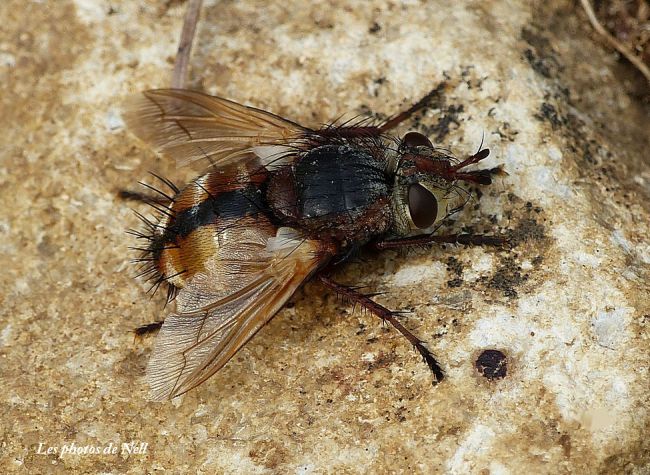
141, 197
149, 328
388, 316
360, 130
394, 121
162, 198
465, 239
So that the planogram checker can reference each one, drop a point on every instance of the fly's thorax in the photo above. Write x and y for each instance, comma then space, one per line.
336, 191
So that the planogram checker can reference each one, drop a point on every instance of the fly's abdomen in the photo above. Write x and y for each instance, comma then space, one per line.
188, 234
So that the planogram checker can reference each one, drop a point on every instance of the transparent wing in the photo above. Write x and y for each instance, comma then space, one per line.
220, 309
190, 126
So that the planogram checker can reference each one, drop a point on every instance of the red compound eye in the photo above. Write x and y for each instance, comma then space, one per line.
416, 139
423, 206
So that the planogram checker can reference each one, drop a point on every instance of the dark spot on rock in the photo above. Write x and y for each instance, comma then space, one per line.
449, 116
537, 64
374, 28
565, 442
507, 277
541, 56
548, 112
506, 131
455, 266
468, 74
382, 361
46, 247
492, 364
376, 85
528, 229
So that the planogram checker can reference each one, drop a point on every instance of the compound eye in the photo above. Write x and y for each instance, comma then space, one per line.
423, 206
416, 139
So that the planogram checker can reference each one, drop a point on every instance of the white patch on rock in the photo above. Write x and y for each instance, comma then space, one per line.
408, 275
610, 327
91, 11
114, 121
5, 334
476, 443
7, 59
481, 263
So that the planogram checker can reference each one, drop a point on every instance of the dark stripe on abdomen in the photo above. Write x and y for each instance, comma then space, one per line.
221, 209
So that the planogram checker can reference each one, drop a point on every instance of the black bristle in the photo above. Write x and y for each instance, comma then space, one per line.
152, 234
156, 190
167, 182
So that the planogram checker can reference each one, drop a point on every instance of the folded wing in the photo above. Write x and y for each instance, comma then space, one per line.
190, 126
258, 268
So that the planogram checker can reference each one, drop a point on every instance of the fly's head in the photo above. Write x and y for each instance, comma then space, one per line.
426, 190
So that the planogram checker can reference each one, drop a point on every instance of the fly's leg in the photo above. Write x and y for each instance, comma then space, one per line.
142, 197
394, 121
158, 196
148, 329
390, 123
465, 239
389, 316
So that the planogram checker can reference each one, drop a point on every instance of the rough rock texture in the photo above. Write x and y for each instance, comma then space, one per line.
322, 388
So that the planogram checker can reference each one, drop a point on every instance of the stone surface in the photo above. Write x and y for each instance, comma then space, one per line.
322, 388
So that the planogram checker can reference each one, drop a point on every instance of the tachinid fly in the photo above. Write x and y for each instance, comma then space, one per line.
279, 204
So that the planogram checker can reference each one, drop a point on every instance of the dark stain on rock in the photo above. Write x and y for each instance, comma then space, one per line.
492, 364
507, 277
528, 229
540, 54
269, 453
548, 113
383, 360
448, 117
456, 267
505, 131
565, 442
529, 218
469, 78
46, 247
